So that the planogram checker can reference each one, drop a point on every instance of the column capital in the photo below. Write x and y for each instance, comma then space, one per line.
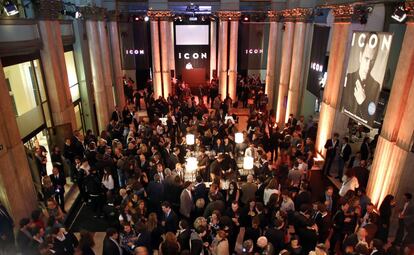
113, 15
160, 15
343, 12
229, 15
274, 16
409, 7
93, 12
49, 9
297, 14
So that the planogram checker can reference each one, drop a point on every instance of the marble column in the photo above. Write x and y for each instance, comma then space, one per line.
234, 29
56, 78
222, 54
116, 63
106, 65
171, 46
213, 48
156, 56
391, 171
287, 47
17, 192
297, 62
165, 57
274, 17
336, 68
99, 90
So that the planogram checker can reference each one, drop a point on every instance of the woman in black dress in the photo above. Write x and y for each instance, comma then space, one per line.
233, 193
385, 211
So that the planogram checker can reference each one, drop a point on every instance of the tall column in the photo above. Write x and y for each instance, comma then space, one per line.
17, 192
213, 48
116, 62
391, 171
222, 54
234, 29
171, 46
156, 56
297, 60
106, 65
287, 46
92, 16
331, 97
271, 56
53, 61
165, 58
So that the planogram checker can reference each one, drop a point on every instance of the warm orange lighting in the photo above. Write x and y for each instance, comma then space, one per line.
378, 182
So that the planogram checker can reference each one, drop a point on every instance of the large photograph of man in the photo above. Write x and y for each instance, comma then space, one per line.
365, 74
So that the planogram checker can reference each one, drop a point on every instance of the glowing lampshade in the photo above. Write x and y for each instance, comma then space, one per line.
248, 163
189, 139
238, 137
191, 164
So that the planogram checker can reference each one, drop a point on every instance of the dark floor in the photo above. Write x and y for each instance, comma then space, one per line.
83, 220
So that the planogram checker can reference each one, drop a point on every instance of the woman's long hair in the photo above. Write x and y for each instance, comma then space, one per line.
152, 222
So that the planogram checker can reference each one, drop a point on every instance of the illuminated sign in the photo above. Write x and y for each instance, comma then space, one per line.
253, 51
192, 55
134, 52
316, 67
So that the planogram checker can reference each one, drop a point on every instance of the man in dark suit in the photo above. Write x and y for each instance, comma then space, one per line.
405, 218
184, 235
276, 235
169, 219
344, 155
110, 243
59, 182
155, 192
200, 189
331, 146
338, 223
144, 236
362, 174
329, 200
173, 159
364, 149
323, 220
361, 89
116, 115
186, 200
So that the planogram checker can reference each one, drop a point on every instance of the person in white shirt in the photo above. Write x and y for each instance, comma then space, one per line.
251, 151
271, 188
107, 180
287, 202
350, 182
303, 167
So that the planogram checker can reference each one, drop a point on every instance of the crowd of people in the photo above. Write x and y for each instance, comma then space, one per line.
135, 175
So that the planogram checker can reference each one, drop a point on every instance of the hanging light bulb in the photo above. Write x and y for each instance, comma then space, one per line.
189, 138
191, 164
238, 137
248, 163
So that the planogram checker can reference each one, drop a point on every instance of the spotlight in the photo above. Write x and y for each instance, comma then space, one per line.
10, 8
146, 18
399, 14
246, 18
